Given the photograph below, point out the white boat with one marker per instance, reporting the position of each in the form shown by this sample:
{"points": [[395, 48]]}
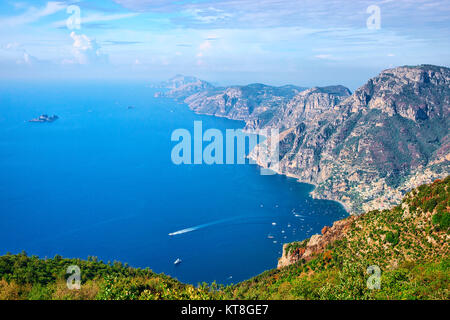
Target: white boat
{"points": [[178, 261]]}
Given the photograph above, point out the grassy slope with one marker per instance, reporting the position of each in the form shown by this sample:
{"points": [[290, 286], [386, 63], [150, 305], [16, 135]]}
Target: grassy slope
{"points": [[409, 243]]}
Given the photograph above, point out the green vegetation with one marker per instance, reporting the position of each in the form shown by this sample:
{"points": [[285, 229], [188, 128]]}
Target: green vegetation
{"points": [[408, 243], [24, 277], [295, 246]]}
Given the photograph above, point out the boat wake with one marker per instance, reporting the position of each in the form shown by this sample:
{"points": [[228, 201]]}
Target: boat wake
{"points": [[250, 219], [200, 226]]}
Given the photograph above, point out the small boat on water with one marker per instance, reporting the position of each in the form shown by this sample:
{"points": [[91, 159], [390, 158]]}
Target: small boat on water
{"points": [[178, 261]]}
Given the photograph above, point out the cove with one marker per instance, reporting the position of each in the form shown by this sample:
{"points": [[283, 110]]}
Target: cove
{"points": [[100, 182]]}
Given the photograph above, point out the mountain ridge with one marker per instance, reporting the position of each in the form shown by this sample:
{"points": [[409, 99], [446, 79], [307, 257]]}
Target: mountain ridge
{"points": [[364, 149]]}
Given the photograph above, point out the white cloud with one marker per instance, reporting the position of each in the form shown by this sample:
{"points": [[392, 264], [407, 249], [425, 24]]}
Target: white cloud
{"points": [[19, 53], [85, 51], [33, 14], [28, 59], [209, 15], [11, 46], [205, 45], [93, 18], [324, 56]]}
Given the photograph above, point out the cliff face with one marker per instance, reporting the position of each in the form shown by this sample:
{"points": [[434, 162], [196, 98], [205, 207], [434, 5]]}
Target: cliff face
{"points": [[364, 149], [391, 135], [307, 105], [309, 248], [255, 103], [260, 106]]}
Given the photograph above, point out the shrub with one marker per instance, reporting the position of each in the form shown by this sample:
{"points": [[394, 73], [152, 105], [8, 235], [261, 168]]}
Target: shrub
{"points": [[393, 237], [442, 220]]}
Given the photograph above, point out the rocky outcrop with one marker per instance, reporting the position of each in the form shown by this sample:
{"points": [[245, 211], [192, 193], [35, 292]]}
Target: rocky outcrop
{"points": [[307, 105], [255, 103], [316, 244]]}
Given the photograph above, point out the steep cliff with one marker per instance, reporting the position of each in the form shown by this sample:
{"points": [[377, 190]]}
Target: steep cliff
{"points": [[309, 248], [255, 103], [307, 105], [391, 135]]}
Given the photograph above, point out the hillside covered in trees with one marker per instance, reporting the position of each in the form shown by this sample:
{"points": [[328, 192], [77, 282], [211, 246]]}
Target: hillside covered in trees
{"points": [[408, 244]]}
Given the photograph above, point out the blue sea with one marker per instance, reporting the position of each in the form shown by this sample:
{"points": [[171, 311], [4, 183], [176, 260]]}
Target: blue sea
{"points": [[100, 182]]}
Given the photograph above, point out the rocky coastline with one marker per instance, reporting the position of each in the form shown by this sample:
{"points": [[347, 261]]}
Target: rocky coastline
{"points": [[364, 149]]}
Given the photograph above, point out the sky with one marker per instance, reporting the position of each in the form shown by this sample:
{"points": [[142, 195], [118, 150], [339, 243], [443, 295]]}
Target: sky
{"points": [[302, 42]]}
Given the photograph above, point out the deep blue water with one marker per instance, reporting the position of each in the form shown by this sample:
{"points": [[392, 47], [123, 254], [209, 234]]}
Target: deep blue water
{"points": [[100, 182]]}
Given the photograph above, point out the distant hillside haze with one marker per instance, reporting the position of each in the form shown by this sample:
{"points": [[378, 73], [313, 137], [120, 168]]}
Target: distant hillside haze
{"points": [[365, 149]]}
